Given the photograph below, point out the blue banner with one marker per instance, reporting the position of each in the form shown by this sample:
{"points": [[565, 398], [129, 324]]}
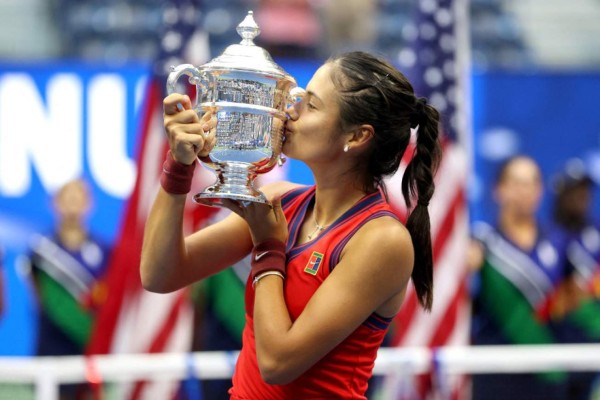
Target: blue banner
{"points": [[59, 122]]}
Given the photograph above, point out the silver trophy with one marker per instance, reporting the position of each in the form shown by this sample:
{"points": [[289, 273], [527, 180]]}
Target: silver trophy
{"points": [[248, 92]]}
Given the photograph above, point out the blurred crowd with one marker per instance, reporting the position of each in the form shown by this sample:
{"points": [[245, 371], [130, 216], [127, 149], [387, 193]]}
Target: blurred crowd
{"points": [[535, 277], [116, 32]]}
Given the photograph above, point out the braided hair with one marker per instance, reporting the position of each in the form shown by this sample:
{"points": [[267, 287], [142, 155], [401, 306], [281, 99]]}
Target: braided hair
{"points": [[371, 91]]}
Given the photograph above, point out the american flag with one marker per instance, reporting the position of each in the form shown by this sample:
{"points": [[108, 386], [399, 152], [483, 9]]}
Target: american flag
{"points": [[435, 60], [134, 320]]}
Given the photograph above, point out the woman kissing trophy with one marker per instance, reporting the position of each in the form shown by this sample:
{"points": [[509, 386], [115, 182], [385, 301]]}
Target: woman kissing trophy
{"points": [[248, 92]]}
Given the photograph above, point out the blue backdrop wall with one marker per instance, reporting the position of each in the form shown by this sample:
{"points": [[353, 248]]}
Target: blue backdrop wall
{"points": [[551, 116]]}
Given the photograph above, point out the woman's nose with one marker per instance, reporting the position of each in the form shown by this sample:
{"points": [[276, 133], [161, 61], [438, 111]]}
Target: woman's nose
{"points": [[292, 113]]}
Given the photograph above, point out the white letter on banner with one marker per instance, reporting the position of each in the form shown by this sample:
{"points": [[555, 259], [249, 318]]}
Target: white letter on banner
{"points": [[48, 133], [112, 170]]}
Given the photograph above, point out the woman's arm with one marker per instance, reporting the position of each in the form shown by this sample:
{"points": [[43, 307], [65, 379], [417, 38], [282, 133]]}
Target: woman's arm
{"points": [[169, 261], [375, 268]]}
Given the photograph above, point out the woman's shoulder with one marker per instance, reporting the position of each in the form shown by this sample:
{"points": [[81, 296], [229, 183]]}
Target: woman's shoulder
{"points": [[384, 245], [385, 232], [275, 190]]}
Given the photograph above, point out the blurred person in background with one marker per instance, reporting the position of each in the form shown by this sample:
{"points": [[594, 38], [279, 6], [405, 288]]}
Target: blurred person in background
{"points": [[289, 28], [347, 24], [67, 267], [519, 266], [573, 190]]}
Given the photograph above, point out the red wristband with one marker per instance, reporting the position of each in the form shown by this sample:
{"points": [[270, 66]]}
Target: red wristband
{"points": [[268, 256], [176, 178]]}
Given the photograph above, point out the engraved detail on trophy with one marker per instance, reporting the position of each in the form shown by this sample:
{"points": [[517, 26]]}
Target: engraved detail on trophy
{"points": [[249, 94]]}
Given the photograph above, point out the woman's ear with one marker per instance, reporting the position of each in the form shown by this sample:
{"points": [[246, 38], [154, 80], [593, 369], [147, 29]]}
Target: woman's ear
{"points": [[361, 136]]}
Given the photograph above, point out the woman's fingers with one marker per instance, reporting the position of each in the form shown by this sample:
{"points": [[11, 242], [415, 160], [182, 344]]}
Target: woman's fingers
{"points": [[278, 210], [189, 141], [264, 221], [189, 135], [209, 121], [234, 206], [207, 117], [171, 103], [186, 141], [210, 140], [186, 117], [209, 124]]}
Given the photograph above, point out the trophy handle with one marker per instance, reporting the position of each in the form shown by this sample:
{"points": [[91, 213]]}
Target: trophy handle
{"points": [[194, 79]]}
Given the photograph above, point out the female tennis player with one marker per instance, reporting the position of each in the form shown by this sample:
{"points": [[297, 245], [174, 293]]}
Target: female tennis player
{"points": [[330, 262]]}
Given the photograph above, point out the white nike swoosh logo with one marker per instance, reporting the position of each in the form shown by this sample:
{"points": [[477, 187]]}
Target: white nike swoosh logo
{"points": [[259, 256]]}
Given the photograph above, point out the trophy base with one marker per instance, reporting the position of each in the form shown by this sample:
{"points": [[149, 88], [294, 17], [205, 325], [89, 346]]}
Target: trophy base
{"points": [[209, 198], [234, 182]]}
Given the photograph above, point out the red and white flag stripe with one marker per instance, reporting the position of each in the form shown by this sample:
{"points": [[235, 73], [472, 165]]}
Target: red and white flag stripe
{"points": [[133, 319]]}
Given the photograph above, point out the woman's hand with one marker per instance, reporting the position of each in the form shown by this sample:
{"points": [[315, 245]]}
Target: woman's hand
{"points": [[189, 135], [265, 222]]}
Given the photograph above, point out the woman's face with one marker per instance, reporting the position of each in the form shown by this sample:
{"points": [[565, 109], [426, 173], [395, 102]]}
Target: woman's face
{"points": [[520, 188], [313, 133], [72, 202]]}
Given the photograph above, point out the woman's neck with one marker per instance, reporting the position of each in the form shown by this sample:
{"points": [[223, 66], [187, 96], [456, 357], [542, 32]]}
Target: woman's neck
{"points": [[522, 230], [71, 235], [334, 195]]}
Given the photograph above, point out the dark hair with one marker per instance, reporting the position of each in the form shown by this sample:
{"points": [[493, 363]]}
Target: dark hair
{"points": [[371, 91], [566, 212]]}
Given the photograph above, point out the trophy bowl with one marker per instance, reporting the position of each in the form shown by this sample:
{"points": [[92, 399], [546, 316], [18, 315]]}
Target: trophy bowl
{"points": [[248, 93]]}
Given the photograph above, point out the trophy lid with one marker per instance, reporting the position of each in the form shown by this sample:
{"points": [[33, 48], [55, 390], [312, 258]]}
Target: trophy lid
{"points": [[246, 56]]}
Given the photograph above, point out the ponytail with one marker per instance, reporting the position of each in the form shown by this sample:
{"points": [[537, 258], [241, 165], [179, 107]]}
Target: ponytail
{"points": [[417, 183], [372, 91]]}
